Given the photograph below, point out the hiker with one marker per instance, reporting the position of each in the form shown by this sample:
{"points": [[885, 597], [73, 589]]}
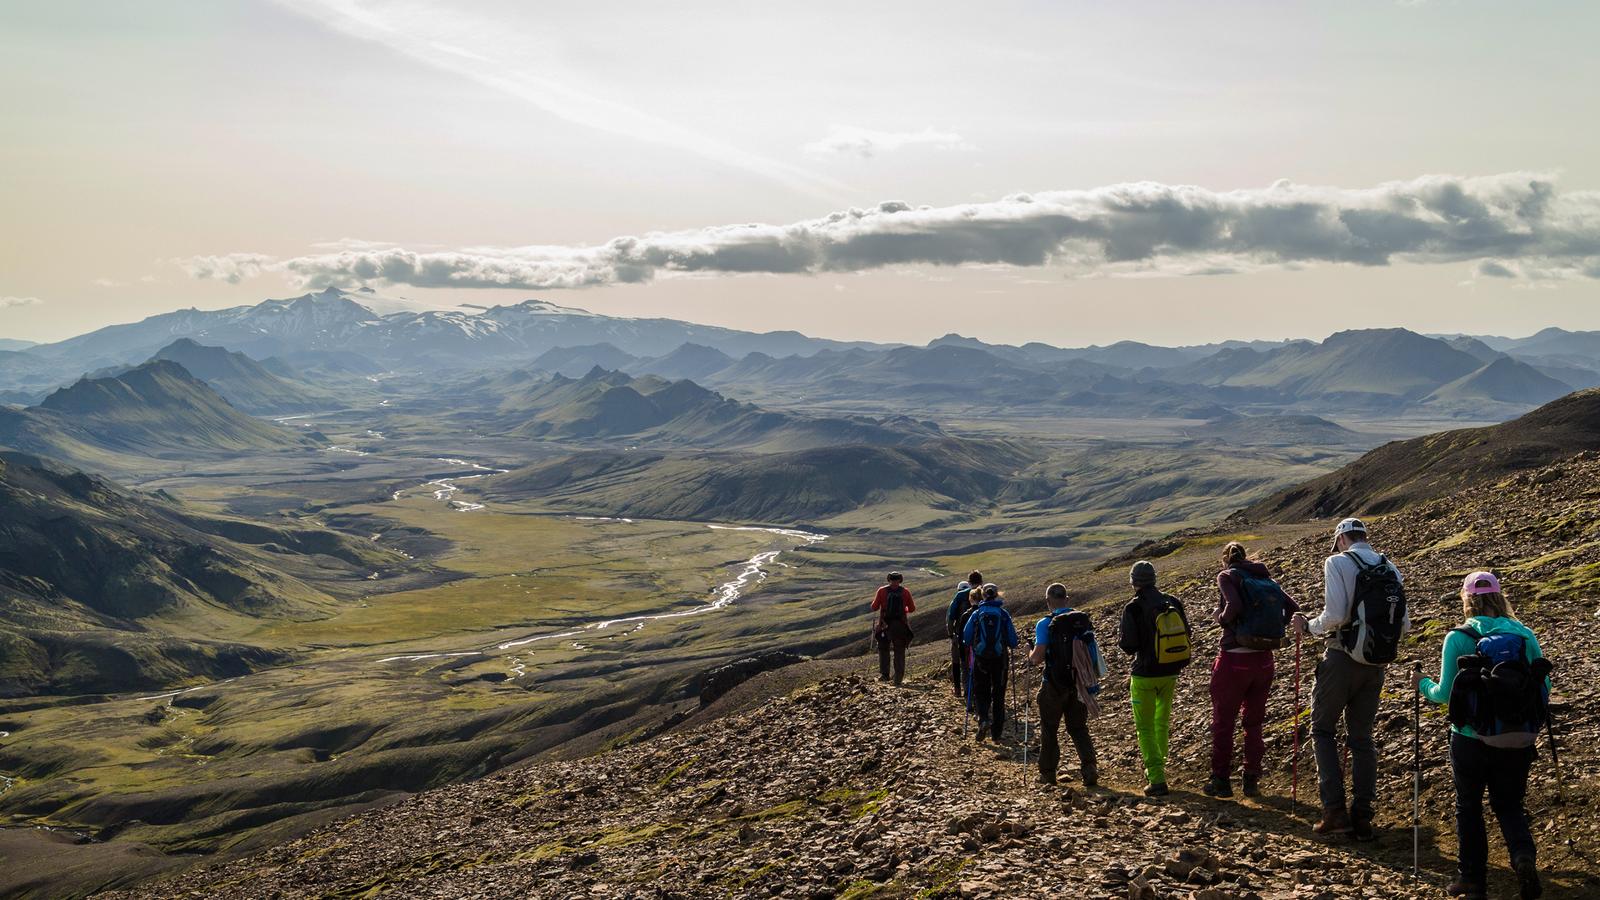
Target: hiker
{"points": [[1155, 632], [1064, 642], [892, 632], [1253, 611], [991, 635], [955, 620], [1496, 712], [1362, 620]]}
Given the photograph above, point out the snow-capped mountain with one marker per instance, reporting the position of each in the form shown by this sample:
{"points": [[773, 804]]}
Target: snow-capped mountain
{"points": [[335, 319]]}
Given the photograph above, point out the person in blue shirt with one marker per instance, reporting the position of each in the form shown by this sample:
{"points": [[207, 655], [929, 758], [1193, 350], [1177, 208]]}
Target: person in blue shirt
{"points": [[991, 635], [1066, 691]]}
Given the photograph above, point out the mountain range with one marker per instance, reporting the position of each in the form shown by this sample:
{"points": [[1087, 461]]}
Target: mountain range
{"points": [[332, 334]]}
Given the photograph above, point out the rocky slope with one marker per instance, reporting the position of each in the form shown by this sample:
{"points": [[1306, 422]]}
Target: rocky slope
{"points": [[846, 787]]}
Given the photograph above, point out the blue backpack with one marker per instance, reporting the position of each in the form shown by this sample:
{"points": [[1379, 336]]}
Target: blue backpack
{"points": [[1260, 625], [1498, 693], [989, 636]]}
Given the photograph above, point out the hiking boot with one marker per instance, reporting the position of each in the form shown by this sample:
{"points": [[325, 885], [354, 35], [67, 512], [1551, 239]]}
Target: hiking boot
{"points": [[983, 731], [1251, 785], [1527, 877], [1046, 779], [1361, 825], [1218, 786], [1334, 821], [958, 691], [1091, 778], [1157, 789], [1471, 890]]}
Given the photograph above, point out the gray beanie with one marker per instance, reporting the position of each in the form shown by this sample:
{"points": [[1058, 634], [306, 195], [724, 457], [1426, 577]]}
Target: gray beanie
{"points": [[1143, 574]]}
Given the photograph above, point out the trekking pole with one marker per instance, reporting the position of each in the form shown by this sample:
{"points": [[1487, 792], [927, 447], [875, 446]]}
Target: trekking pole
{"points": [[1294, 760], [1555, 757], [1416, 780]]}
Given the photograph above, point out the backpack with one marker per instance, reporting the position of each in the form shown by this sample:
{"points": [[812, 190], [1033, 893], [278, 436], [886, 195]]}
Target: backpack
{"points": [[1260, 622], [894, 604], [1498, 693], [957, 612], [1171, 635], [1065, 628], [1377, 611], [989, 638]]}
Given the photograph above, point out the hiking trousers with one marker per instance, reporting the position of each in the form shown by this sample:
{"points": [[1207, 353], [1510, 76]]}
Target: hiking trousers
{"points": [[1348, 689], [1152, 716], [1055, 705], [989, 691], [1240, 680], [897, 637], [958, 664], [1504, 772]]}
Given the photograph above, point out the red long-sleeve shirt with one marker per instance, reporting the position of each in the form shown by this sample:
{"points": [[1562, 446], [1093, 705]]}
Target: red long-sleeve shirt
{"points": [[883, 597]]}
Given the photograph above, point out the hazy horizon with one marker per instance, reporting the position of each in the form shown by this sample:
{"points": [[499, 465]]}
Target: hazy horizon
{"points": [[1065, 173]]}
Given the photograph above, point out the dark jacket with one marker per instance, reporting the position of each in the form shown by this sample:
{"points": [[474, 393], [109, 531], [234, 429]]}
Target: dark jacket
{"points": [[1137, 634], [1230, 604], [954, 616]]}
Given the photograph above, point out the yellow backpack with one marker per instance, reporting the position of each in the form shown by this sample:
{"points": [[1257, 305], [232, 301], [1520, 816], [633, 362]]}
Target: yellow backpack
{"points": [[1172, 636]]}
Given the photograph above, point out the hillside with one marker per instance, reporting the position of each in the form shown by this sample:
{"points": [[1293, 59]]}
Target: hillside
{"points": [[811, 782], [792, 487], [692, 361], [155, 410], [243, 382], [102, 589], [1404, 472]]}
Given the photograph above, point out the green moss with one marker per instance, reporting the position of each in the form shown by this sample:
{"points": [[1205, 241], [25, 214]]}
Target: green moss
{"points": [[672, 776], [943, 874]]}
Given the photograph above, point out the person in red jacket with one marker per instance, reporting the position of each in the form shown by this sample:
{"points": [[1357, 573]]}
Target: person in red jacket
{"points": [[892, 631], [1241, 677]]}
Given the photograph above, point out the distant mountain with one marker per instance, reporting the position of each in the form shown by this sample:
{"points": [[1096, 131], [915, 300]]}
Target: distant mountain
{"points": [[1560, 342], [574, 362], [649, 409], [245, 383], [1277, 430], [693, 361], [1373, 367], [794, 487], [102, 589], [155, 410], [14, 344], [1479, 350], [338, 320], [1505, 380], [1401, 473]]}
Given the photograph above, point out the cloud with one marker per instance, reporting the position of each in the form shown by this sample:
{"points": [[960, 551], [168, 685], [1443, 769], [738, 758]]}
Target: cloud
{"points": [[106, 282], [8, 302], [455, 41], [848, 140], [1518, 222]]}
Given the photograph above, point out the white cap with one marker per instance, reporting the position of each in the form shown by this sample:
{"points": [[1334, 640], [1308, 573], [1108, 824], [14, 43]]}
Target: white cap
{"points": [[1345, 527]]}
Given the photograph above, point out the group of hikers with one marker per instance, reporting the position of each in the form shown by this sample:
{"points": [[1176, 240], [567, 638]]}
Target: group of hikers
{"points": [[1493, 676]]}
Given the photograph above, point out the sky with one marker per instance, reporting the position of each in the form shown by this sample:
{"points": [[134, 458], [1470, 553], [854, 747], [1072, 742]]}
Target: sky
{"points": [[1072, 172]]}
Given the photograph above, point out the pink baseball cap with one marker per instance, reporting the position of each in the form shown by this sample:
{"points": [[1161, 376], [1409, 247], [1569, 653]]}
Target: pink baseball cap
{"points": [[1481, 583]]}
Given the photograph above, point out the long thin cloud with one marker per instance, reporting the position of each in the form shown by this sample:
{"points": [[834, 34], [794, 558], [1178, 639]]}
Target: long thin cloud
{"points": [[453, 41], [1512, 224]]}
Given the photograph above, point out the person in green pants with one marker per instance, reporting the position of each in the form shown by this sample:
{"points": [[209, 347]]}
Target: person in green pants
{"points": [[1155, 632]]}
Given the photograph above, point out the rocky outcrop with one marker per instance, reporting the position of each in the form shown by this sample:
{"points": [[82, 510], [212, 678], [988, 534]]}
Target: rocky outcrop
{"points": [[716, 682]]}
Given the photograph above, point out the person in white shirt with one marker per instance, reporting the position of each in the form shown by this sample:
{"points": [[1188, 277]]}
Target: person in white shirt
{"points": [[1347, 686]]}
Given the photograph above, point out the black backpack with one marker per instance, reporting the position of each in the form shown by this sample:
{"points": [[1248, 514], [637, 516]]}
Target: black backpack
{"points": [[1498, 693], [1065, 628], [894, 604], [958, 610], [1260, 622], [989, 638], [1377, 612]]}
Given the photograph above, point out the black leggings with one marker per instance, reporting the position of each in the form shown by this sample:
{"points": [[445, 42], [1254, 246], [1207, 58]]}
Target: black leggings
{"points": [[1504, 772]]}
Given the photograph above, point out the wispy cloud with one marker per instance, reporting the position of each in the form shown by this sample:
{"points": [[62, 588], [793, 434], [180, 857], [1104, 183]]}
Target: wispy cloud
{"points": [[1518, 223], [455, 41], [8, 302], [849, 140]]}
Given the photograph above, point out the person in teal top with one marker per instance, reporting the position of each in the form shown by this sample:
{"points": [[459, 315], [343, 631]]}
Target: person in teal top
{"points": [[1475, 764]]}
